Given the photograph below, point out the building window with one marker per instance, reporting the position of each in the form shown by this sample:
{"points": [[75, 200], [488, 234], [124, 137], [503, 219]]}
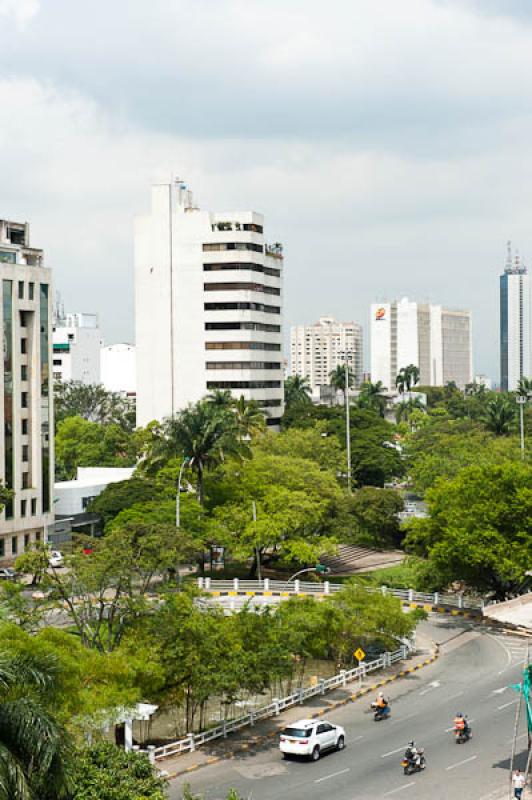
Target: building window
{"points": [[14, 545], [242, 326], [21, 290], [7, 306], [23, 508], [217, 246], [25, 452], [241, 346], [23, 372], [25, 480], [23, 345], [31, 290], [243, 365], [26, 541], [37, 536], [242, 307], [33, 506], [2, 548], [24, 427], [24, 399], [243, 384], [57, 362], [85, 501], [242, 266], [243, 286]]}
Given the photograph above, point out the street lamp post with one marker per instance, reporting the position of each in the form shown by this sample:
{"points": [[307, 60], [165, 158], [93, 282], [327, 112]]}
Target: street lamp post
{"points": [[521, 401], [178, 493], [321, 569], [347, 428]]}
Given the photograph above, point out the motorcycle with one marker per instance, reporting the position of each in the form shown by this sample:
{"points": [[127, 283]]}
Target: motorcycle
{"points": [[410, 765], [461, 735], [380, 713]]}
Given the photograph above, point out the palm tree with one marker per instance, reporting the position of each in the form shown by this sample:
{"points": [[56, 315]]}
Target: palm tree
{"points": [[34, 751], [371, 397], [400, 380], [205, 434], [500, 415], [296, 390], [412, 376], [250, 419], [337, 378], [406, 407], [524, 387], [221, 398]]}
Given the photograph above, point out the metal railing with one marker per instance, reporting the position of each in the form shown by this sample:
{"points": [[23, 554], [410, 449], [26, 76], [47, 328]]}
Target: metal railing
{"points": [[239, 586], [193, 740]]}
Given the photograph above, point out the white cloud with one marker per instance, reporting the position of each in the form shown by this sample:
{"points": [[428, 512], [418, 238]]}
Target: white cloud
{"points": [[21, 11]]}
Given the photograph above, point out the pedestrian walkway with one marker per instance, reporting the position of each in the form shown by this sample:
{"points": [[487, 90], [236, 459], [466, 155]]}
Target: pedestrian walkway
{"points": [[266, 731]]}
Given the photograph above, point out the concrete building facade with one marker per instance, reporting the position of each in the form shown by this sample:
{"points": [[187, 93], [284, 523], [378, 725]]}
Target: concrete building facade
{"points": [[118, 365], [76, 347], [208, 294], [436, 340], [26, 444], [515, 302], [316, 350]]}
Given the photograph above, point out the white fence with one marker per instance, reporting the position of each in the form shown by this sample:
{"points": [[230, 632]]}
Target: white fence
{"points": [[193, 740], [314, 588]]}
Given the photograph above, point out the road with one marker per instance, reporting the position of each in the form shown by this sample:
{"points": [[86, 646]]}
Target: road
{"points": [[472, 676]]}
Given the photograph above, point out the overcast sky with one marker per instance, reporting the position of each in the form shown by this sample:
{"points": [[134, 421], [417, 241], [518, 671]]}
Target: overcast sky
{"points": [[388, 143]]}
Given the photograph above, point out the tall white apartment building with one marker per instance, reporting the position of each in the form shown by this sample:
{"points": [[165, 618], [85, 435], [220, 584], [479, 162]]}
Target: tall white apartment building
{"points": [[26, 446], [514, 323], [316, 350], [208, 293], [76, 347], [119, 368], [436, 340]]}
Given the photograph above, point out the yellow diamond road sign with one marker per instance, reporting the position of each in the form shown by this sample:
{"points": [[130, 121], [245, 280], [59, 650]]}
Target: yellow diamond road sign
{"points": [[360, 654]]}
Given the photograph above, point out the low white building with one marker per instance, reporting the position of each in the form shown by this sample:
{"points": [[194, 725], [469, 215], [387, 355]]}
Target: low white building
{"points": [[73, 497], [118, 364], [76, 348]]}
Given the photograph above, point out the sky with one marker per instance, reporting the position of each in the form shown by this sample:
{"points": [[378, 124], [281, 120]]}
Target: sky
{"points": [[389, 144]]}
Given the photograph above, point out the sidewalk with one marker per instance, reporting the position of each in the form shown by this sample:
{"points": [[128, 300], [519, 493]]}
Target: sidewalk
{"points": [[264, 731]]}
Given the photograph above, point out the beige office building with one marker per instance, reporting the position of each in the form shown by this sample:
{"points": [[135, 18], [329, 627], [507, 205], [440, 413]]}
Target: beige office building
{"points": [[316, 350]]}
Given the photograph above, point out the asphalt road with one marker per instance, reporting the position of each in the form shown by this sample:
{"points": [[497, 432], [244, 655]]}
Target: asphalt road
{"points": [[472, 676]]}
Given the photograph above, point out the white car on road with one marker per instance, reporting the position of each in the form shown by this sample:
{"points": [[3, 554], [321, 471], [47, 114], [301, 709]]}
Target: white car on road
{"points": [[55, 559], [311, 737]]}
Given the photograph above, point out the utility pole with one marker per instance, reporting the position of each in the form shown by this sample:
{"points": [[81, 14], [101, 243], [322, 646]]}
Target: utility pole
{"points": [[257, 547], [347, 427]]}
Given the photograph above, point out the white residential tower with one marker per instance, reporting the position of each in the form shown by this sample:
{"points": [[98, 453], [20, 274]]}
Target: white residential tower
{"points": [[316, 350], [77, 343]]}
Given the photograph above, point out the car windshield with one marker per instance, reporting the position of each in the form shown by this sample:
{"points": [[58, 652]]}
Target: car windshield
{"points": [[297, 732]]}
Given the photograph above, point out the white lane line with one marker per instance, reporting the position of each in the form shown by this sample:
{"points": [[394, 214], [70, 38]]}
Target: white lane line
{"points": [[334, 774], [430, 687], [408, 716], [460, 763], [521, 736], [511, 703], [498, 691], [458, 694], [508, 654], [392, 752], [356, 738], [399, 788]]}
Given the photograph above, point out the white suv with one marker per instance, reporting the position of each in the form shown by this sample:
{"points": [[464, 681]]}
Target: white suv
{"points": [[311, 737]]}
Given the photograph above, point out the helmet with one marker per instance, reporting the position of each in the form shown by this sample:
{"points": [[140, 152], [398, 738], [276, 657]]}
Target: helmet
{"points": [[381, 694], [411, 744], [459, 715]]}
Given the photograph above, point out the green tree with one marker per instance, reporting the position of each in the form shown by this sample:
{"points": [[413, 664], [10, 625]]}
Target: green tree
{"points": [[105, 772], [34, 750], [500, 415], [524, 387], [406, 409], [250, 419], [368, 517], [338, 378], [220, 398], [80, 443], [314, 444], [117, 497], [479, 530], [406, 378], [371, 397], [94, 403], [296, 390]]}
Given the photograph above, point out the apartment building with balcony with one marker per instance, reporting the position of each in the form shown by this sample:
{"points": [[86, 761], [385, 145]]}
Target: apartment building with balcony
{"points": [[208, 307], [316, 350], [26, 443]]}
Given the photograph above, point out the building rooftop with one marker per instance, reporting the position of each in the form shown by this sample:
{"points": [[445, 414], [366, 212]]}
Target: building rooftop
{"points": [[15, 244]]}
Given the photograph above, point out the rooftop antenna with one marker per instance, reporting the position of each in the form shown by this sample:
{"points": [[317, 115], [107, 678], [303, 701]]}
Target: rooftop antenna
{"points": [[508, 255]]}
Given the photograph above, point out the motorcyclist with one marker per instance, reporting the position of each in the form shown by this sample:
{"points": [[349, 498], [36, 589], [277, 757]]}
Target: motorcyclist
{"points": [[412, 754], [381, 704], [461, 724]]}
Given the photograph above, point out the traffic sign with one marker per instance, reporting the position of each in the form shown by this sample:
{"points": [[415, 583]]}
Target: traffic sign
{"points": [[359, 654]]}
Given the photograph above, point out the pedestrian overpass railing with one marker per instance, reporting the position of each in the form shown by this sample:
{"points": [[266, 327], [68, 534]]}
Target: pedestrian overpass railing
{"points": [[269, 587]]}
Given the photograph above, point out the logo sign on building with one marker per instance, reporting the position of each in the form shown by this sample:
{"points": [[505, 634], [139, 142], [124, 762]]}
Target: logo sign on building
{"points": [[380, 313]]}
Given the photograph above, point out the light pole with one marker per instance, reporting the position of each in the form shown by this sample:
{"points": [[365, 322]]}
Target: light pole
{"points": [[522, 400], [347, 427], [178, 493], [321, 569]]}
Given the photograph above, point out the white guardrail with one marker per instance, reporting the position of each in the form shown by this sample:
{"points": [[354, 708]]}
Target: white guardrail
{"points": [[193, 740], [268, 586]]}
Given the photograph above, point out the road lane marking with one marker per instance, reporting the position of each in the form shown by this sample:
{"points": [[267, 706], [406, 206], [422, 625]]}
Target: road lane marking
{"points": [[408, 716], [356, 738], [498, 691], [508, 654], [334, 774], [461, 763], [430, 687], [521, 736], [392, 752], [511, 703], [399, 788], [458, 694]]}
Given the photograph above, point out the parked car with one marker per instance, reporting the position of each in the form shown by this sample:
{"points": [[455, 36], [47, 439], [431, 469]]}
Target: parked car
{"points": [[7, 574], [56, 559], [310, 738]]}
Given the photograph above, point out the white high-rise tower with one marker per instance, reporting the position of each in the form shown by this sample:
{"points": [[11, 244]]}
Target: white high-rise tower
{"points": [[514, 323], [208, 307]]}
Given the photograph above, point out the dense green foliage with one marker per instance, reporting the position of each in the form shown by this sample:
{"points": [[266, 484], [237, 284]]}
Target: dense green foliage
{"points": [[105, 772], [81, 443], [93, 403]]}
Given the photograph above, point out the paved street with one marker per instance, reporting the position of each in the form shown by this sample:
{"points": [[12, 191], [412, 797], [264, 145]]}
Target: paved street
{"points": [[472, 676]]}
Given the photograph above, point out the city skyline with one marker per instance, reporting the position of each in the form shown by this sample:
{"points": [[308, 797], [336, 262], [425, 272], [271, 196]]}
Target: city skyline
{"points": [[390, 188]]}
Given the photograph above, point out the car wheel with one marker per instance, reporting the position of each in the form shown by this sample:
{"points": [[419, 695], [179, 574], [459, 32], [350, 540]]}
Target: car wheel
{"points": [[285, 756], [340, 744], [315, 754]]}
